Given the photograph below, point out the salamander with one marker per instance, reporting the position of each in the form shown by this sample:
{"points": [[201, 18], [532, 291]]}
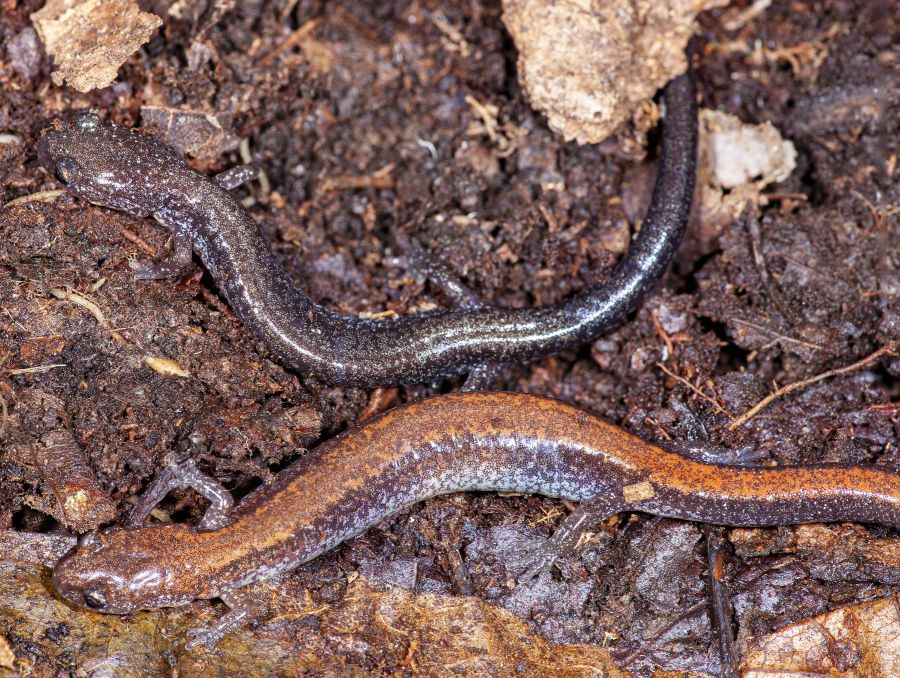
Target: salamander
{"points": [[127, 170], [450, 443]]}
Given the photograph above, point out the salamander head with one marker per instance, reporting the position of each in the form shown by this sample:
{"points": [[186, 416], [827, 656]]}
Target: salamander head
{"points": [[110, 165], [121, 570]]}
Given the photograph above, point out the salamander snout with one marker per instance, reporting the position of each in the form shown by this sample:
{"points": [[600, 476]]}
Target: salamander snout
{"points": [[81, 578], [63, 134], [119, 570], [109, 165]]}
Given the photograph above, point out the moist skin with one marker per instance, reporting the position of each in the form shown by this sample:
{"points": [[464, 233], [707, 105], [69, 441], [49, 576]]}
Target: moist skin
{"points": [[459, 442], [127, 170]]}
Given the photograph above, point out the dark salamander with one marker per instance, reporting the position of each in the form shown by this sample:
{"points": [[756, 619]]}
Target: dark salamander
{"points": [[128, 170]]}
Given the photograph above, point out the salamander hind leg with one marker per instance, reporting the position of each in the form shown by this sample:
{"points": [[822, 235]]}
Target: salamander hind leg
{"points": [[698, 447], [185, 474], [480, 377], [589, 513], [457, 292]]}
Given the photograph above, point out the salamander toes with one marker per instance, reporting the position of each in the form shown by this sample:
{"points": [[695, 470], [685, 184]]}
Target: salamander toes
{"points": [[168, 268], [538, 564], [145, 270], [206, 636]]}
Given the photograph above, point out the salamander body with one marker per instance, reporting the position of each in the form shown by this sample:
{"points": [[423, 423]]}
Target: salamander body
{"points": [[128, 170], [459, 442]]}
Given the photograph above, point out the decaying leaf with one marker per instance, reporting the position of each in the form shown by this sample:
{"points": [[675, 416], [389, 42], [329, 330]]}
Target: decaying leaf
{"points": [[202, 135], [858, 640], [588, 65], [7, 656], [90, 39], [71, 491], [37, 548], [369, 631], [737, 161]]}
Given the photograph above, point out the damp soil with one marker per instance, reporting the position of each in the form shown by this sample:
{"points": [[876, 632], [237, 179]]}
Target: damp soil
{"points": [[383, 90]]}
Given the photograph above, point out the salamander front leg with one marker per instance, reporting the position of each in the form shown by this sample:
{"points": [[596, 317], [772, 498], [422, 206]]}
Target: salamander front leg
{"points": [[185, 474], [174, 264], [240, 613], [589, 513], [182, 243]]}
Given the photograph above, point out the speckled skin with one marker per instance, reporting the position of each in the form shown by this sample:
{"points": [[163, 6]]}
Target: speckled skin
{"points": [[127, 170], [474, 441]]}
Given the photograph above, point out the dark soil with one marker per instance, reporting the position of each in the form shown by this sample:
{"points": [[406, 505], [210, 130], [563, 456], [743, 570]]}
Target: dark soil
{"points": [[394, 93]]}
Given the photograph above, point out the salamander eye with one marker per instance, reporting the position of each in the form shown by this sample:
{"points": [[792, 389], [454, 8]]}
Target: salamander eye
{"points": [[87, 121], [65, 170], [95, 598]]}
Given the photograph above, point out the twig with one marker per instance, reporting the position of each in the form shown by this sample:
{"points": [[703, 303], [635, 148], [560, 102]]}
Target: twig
{"points": [[379, 401], [139, 241], [291, 41], [31, 370], [878, 214], [751, 220], [890, 347], [380, 179], [94, 310], [776, 197], [887, 408], [660, 431], [5, 418], [778, 336], [40, 196], [660, 330], [694, 389], [876, 217], [719, 600]]}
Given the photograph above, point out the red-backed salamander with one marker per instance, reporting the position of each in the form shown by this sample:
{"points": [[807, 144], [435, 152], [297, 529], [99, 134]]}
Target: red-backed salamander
{"points": [[451, 443], [128, 170]]}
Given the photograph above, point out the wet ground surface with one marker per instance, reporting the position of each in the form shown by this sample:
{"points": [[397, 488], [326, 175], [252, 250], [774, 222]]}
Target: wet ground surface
{"points": [[382, 90]]}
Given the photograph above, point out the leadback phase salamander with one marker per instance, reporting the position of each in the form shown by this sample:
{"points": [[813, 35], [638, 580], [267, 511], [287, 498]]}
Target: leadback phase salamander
{"points": [[127, 170], [451, 443]]}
